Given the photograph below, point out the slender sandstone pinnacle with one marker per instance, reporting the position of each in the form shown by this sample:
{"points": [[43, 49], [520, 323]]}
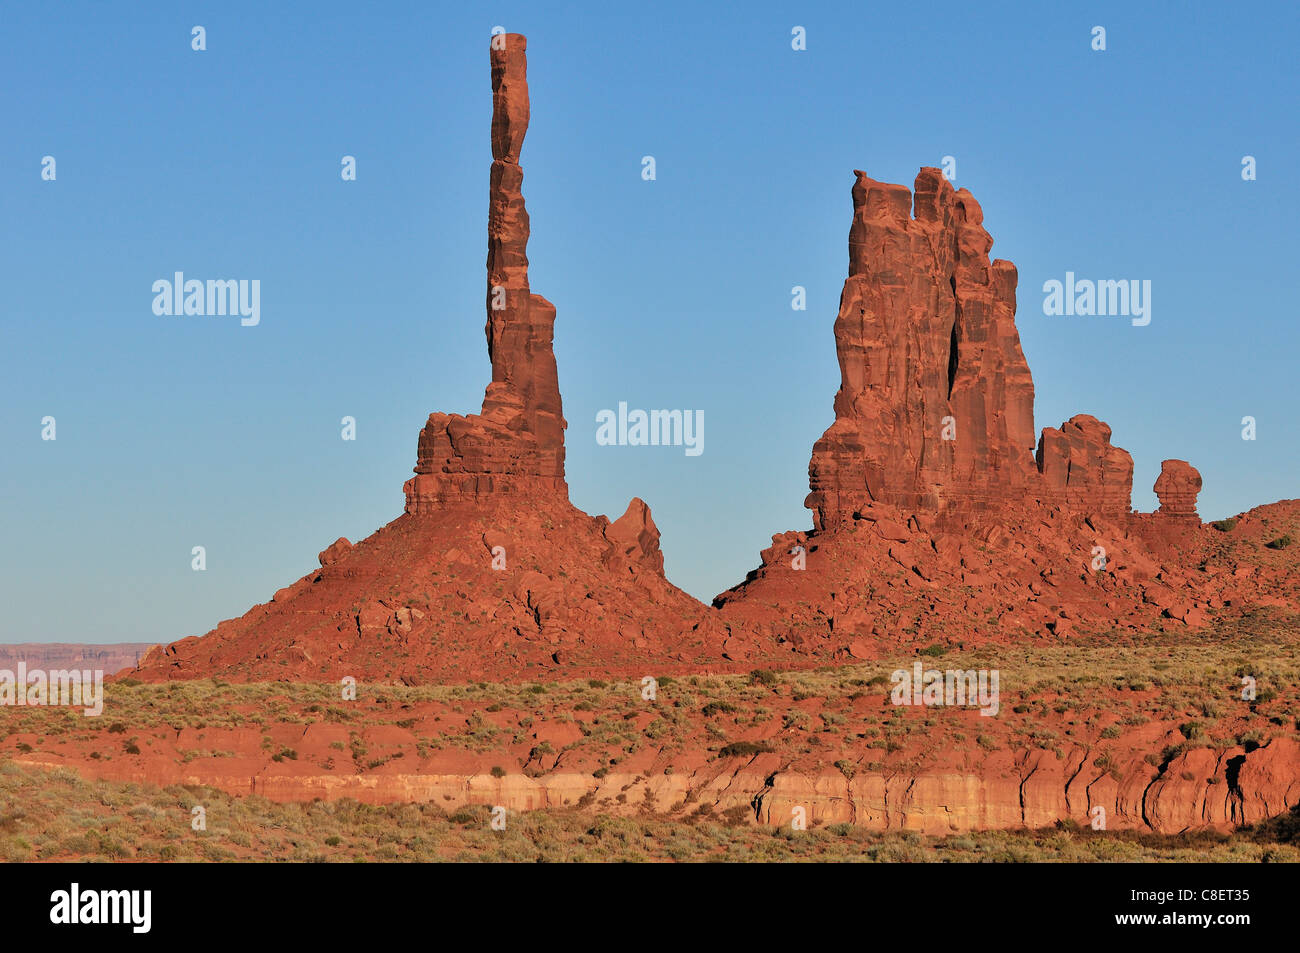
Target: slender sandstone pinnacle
{"points": [[516, 445]]}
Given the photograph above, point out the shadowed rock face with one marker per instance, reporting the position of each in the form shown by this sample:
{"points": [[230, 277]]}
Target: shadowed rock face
{"points": [[935, 406], [516, 446]]}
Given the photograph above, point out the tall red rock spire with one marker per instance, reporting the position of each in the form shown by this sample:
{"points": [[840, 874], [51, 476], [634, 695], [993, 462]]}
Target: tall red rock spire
{"points": [[516, 446]]}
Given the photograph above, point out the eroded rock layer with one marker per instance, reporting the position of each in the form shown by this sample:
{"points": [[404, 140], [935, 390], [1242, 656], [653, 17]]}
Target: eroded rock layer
{"points": [[1081, 468]]}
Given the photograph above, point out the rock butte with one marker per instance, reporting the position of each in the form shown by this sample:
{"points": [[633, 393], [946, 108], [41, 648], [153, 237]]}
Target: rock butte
{"points": [[935, 407], [938, 520]]}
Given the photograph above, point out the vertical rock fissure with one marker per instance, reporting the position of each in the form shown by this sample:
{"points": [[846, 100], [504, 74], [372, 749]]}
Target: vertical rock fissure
{"points": [[952, 337]]}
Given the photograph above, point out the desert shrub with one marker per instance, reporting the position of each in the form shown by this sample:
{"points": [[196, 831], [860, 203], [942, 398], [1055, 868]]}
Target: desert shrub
{"points": [[718, 707], [1282, 542], [1224, 526], [465, 815], [737, 815], [743, 749]]}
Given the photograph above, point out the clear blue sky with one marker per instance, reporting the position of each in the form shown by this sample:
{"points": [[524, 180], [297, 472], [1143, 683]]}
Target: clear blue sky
{"points": [[176, 432]]}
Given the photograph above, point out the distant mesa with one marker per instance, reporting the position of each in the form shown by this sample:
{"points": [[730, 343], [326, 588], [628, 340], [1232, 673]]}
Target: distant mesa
{"points": [[111, 657], [1176, 487]]}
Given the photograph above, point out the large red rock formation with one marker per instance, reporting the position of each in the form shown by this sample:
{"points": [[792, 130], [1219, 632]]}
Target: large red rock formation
{"points": [[936, 527], [491, 571], [934, 520], [516, 446], [1176, 487], [935, 404]]}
